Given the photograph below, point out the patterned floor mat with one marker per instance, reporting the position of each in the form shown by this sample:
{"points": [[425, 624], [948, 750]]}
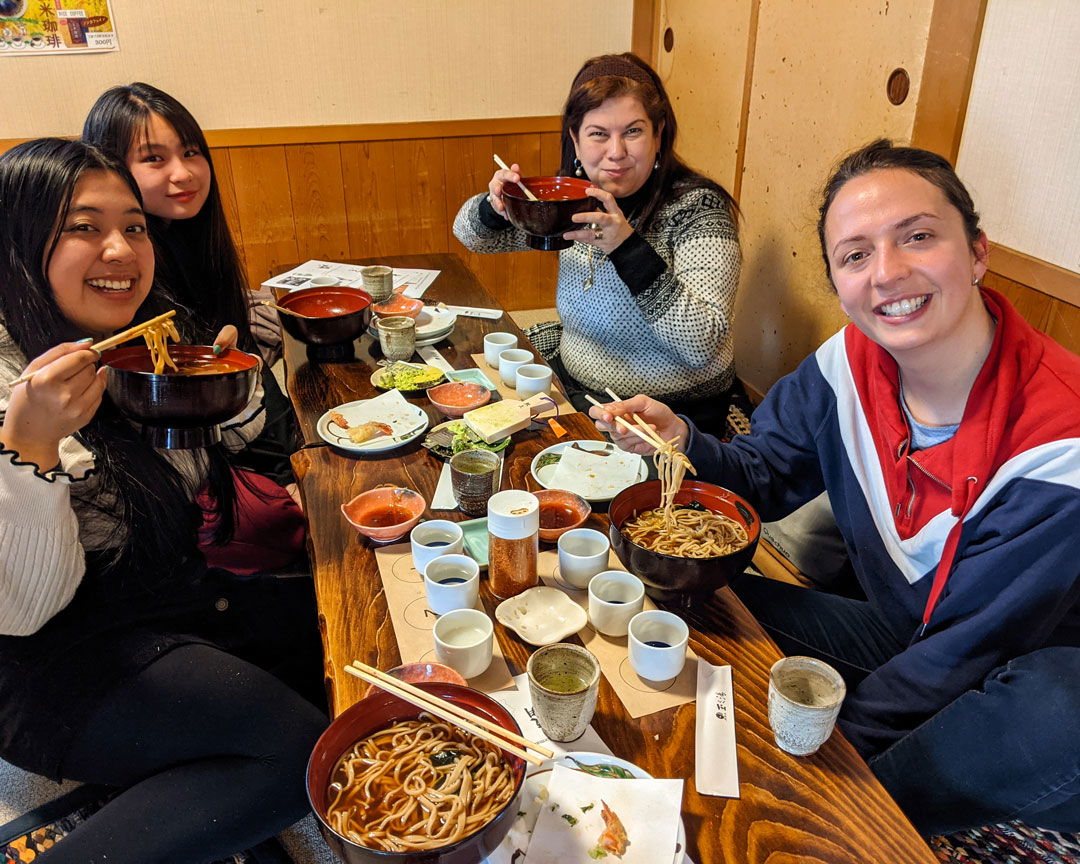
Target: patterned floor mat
{"points": [[1008, 843]]}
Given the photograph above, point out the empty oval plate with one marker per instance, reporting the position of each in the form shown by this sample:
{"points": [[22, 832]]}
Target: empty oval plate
{"points": [[541, 615]]}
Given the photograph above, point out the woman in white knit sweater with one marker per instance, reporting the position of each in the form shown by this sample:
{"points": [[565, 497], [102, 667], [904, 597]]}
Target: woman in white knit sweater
{"points": [[646, 293]]}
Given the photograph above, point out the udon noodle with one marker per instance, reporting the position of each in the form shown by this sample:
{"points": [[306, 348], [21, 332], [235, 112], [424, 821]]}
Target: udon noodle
{"points": [[419, 784], [157, 343], [681, 531]]}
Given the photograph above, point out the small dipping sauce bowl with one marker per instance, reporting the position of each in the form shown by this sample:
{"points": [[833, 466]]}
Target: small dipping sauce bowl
{"points": [[454, 398], [398, 304], [560, 511], [385, 513]]}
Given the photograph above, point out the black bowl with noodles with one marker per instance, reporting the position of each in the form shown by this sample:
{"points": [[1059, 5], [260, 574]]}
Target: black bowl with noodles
{"points": [[548, 218], [181, 409], [669, 577], [376, 711]]}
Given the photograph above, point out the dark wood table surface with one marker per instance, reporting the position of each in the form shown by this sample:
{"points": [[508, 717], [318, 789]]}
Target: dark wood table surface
{"points": [[827, 807]]}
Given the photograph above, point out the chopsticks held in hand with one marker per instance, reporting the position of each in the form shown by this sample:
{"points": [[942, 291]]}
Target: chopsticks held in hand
{"points": [[112, 341], [493, 733], [524, 188], [646, 432]]}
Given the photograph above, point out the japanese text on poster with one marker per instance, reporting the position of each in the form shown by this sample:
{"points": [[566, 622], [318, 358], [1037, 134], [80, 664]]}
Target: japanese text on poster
{"points": [[30, 27]]}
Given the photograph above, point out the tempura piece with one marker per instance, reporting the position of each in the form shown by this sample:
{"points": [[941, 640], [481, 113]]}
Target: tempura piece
{"points": [[367, 431], [613, 839], [339, 420]]}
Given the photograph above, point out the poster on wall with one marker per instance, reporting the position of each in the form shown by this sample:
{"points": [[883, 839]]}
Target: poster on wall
{"points": [[29, 27]]}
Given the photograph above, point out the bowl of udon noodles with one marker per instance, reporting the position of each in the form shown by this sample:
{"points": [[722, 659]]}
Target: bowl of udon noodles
{"points": [[334, 314], [545, 220], [390, 784], [710, 536], [180, 408]]}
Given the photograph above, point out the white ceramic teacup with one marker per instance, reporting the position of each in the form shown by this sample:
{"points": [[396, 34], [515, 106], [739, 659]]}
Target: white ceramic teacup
{"points": [[615, 597], [805, 695], [451, 582], [533, 378], [433, 538], [657, 644], [495, 344], [510, 360], [583, 553], [464, 640], [323, 281], [564, 680]]}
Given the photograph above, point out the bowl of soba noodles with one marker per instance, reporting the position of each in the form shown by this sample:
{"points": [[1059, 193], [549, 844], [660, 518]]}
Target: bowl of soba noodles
{"points": [[181, 404], [708, 536], [390, 784], [548, 218], [333, 315]]}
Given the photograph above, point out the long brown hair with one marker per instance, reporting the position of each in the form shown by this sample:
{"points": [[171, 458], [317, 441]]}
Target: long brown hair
{"points": [[612, 76]]}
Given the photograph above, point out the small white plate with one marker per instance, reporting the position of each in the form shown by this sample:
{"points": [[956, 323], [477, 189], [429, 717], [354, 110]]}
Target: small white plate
{"points": [[544, 475], [542, 615], [401, 419], [433, 319]]}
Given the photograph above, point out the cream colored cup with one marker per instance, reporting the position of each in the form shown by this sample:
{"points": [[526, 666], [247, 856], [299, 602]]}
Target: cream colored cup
{"points": [[583, 553], [451, 582], [615, 597], [564, 680], [533, 378], [378, 281], [510, 361], [433, 538], [657, 644], [464, 640], [805, 696], [495, 344]]}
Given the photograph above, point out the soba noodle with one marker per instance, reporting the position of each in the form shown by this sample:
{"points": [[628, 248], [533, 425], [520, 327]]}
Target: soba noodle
{"points": [[157, 343], [394, 791], [679, 531]]}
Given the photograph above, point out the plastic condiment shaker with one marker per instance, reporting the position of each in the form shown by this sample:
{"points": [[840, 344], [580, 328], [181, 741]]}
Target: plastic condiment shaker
{"points": [[513, 542]]}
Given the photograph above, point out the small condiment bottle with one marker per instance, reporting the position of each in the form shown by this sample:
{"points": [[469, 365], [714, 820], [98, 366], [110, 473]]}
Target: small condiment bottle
{"points": [[513, 542]]}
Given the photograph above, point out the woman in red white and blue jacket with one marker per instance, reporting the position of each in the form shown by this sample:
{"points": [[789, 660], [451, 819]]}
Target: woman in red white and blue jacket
{"points": [[946, 431]]}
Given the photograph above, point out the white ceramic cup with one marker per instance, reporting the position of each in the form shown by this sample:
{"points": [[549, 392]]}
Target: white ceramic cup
{"points": [[664, 658], [433, 538], [495, 344], [464, 640], [583, 553], [510, 360], [451, 582], [615, 597], [533, 378], [323, 281], [805, 695]]}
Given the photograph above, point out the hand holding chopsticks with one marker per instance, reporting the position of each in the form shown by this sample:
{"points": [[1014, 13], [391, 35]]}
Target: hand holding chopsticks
{"points": [[528, 192], [112, 341], [493, 733], [646, 433]]}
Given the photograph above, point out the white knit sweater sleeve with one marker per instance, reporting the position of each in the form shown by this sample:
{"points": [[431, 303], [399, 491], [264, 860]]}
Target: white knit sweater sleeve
{"points": [[477, 237]]}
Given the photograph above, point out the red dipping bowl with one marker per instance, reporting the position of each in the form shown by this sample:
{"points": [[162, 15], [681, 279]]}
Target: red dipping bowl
{"points": [[454, 398], [368, 512], [560, 510], [547, 219], [181, 410], [376, 711], [336, 314], [668, 576]]}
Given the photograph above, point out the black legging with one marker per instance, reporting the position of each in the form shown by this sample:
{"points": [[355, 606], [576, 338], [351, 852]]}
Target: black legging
{"points": [[211, 753]]}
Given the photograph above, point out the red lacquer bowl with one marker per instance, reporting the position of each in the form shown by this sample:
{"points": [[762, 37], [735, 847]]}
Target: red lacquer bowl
{"points": [[547, 219], [335, 314], [376, 711]]}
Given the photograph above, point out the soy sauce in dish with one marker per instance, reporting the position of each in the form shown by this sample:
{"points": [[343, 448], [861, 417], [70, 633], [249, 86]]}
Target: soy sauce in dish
{"points": [[553, 515], [383, 517]]}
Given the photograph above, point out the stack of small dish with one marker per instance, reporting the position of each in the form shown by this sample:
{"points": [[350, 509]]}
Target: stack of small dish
{"points": [[432, 325]]}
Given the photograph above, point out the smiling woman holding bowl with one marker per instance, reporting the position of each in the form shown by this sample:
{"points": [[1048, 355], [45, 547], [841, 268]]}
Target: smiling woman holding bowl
{"points": [[646, 292]]}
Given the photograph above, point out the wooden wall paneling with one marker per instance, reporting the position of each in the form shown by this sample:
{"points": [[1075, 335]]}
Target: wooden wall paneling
{"points": [[1033, 305], [264, 208], [518, 274], [1064, 325], [550, 159], [367, 171], [227, 188], [468, 168], [420, 184], [318, 200]]}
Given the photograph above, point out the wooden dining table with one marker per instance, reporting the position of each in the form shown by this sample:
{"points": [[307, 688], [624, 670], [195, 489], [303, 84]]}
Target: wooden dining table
{"points": [[827, 807]]}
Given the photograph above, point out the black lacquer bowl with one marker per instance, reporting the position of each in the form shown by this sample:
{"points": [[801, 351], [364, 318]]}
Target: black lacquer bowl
{"points": [[668, 577], [181, 410], [546, 220]]}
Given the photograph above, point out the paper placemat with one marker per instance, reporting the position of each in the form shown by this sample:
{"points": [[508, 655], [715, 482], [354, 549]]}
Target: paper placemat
{"points": [[561, 404], [413, 621], [639, 697]]}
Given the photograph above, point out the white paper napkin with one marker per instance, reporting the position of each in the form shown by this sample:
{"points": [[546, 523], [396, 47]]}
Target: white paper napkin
{"points": [[444, 499], [716, 763], [593, 476]]}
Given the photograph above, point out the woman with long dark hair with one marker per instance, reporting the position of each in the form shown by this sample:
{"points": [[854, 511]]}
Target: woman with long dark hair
{"points": [[946, 431], [646, 294], [124, 659]]}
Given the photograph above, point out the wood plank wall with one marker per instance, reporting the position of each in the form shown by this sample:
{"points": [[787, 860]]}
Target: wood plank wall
{"points": [[290, 202]]}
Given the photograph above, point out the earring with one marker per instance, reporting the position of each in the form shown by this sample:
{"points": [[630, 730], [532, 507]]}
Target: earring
{"points": [[656, 164], [975, 280], [577, 168]]}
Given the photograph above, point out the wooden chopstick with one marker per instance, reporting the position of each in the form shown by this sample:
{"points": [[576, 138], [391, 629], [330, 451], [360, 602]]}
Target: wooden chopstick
{"points": [[451, 713], [528, 192], [111, 342]]}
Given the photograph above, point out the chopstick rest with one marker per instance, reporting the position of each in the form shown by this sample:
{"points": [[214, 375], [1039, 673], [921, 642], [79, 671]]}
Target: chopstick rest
{"points": [[716, 763]]}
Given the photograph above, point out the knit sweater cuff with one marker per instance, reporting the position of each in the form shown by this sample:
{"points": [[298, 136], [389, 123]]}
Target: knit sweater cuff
{"points": [[637, 263], [490, 217]]}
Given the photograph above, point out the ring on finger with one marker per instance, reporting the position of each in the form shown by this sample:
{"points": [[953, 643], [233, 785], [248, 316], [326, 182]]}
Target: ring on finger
{"points": [[598, 233]]}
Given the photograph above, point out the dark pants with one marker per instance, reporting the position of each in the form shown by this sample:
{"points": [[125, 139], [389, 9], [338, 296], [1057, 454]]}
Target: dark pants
{"points": [[1004, 750]]}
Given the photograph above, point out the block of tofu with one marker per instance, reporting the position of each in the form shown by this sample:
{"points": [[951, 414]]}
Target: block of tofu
{"points": [[496, 420]]}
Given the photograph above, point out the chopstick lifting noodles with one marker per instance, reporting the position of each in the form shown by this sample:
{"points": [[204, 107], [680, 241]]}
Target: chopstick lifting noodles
{"points": [[451, 713], [113, 341]]}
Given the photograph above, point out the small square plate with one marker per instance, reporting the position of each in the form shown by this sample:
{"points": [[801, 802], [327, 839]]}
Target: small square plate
{"points": [[475, 535], [472, 375]]}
